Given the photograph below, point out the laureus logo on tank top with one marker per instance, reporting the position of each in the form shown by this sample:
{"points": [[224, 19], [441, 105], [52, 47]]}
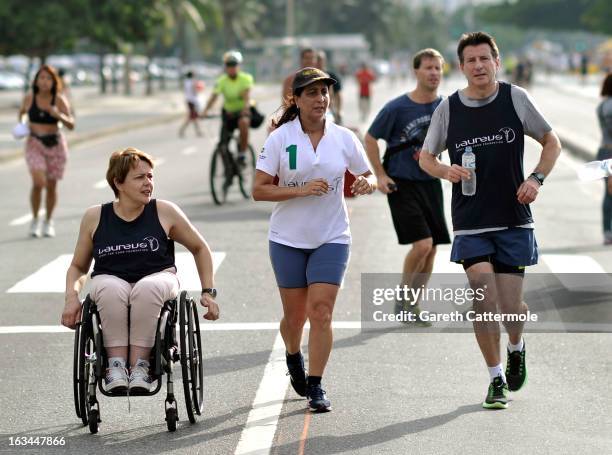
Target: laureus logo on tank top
{"points": [[505, 135], [149, 244]]}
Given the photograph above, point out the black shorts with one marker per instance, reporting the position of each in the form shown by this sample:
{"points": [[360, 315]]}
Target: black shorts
{"points": [[417, 209], [230, 119]]}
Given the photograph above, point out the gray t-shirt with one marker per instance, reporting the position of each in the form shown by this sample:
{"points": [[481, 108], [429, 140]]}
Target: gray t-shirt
{"points": [[604, 114], [534, 124]]}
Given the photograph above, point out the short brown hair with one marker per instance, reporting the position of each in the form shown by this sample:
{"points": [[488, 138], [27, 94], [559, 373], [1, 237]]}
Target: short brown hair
{"points": [[474, 39], [606, 87], [425, 53], [120, 164]]}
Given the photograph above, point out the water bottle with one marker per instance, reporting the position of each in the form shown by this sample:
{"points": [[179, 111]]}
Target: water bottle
{"points": [[468, 162], [595, 170]]}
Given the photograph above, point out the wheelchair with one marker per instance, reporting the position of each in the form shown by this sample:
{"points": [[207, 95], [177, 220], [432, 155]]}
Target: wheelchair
{"points": [[91, 361]]}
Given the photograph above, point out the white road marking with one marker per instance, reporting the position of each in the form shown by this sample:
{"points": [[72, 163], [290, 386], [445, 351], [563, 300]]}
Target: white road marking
{"points": [[52, 276], [443, 264], [204, 327], [100, 184], [578, 272], [258, 434], [25, 219], [189, 150]]}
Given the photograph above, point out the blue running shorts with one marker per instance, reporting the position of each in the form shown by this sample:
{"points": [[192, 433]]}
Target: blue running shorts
{"points": [[514, 246], [301, 267]]}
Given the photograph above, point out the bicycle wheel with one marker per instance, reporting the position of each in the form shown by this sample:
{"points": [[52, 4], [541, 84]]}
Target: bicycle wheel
{"points": [[220, 175], [246, 176]]}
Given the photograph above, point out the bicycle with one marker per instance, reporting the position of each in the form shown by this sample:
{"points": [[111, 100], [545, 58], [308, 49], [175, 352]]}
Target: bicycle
{"points": [[224, 168]]}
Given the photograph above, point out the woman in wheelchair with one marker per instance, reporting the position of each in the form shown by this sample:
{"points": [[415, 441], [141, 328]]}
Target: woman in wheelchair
{"points": [[132, 243]]}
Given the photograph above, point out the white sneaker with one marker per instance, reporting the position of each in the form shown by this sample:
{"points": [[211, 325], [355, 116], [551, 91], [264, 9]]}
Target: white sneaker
{"points": [[140, 379], [48, 228], [116, 376], [35, 228]]}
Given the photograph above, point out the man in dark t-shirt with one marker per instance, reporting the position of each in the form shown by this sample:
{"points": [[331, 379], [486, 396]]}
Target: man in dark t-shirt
{"points": [[415, 198]]}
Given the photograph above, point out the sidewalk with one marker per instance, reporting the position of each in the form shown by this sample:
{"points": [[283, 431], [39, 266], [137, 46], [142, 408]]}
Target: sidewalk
{"points": [[102, 115]]}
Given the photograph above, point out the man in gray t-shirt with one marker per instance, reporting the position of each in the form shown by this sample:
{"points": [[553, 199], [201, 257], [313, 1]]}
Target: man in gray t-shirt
{"points": [[493, 227]]}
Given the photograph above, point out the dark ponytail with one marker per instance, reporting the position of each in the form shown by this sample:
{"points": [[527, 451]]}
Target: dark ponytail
{"points": [[289, 110]]}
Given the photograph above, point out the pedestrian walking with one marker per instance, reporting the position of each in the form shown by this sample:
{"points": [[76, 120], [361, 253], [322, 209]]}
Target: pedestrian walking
{"points": [[414, 197], [365, 77], [46, 150], [309, 233], [192, 100], [493, 226], [604, 115]]}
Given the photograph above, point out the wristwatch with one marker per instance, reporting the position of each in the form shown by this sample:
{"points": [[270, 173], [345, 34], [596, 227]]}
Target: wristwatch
{"points": [[539, 177], [211, 291]]}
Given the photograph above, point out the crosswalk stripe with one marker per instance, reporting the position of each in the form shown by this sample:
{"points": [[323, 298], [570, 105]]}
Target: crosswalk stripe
{"points": [[443, 264], [189, 150], [25, 219], [52, 276], [578, 272]]}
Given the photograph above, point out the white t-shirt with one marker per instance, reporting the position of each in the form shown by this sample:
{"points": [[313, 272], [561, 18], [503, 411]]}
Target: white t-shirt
{"points": [[191, 95], [311, 221]]}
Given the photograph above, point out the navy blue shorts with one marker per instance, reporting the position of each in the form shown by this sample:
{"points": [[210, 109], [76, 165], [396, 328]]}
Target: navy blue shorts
{"points": [[514, 246], [301, 267]]}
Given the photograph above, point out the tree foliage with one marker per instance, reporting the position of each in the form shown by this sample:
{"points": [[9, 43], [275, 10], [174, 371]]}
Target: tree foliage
{"points": [[589, 15]]}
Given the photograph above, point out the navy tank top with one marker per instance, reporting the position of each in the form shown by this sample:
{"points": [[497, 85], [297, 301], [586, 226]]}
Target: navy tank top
{"points": [[134, 249], [496, 135], [37, 115]]}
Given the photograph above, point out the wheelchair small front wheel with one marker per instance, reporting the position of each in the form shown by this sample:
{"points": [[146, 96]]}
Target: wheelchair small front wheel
{"points": [[93, 421], [171, 419]]}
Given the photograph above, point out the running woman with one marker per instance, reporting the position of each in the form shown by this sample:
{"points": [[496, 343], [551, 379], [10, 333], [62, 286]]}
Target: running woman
{"points": [[309, 233]]}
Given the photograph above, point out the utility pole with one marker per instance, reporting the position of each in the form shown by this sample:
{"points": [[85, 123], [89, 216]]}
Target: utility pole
{"points": [[290, 19]]}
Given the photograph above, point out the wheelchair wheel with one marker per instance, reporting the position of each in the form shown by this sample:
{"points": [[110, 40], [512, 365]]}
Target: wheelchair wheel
{"points": [[247, 175], [221, 175], [75, 370], [85, 366], [191, 356]]}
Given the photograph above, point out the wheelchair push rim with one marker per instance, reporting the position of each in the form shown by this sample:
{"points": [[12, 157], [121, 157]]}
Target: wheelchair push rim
{"points": [[191, 356]]}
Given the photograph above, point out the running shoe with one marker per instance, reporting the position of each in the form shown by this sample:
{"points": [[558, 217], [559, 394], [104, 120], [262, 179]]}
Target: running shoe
{"points": [[404, 305], [35, 228], [497, 395], [317, 399], [116, 378], [516, 370], [48, 228], [297, 374], [140, 379]]}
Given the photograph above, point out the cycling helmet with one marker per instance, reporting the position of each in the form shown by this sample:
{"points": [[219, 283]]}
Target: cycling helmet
{"points": [[232, 58]]}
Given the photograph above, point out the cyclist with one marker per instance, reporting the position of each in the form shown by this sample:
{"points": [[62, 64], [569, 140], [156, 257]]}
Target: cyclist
{"points": [[235, 86]]}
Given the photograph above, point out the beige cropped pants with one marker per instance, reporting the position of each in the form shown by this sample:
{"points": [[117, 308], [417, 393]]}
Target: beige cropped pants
{"points": [[145, 297]]}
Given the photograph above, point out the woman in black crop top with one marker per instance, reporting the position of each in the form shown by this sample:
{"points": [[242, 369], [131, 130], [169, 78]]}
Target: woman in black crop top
{"points": [[132, 243], [45, 150]]}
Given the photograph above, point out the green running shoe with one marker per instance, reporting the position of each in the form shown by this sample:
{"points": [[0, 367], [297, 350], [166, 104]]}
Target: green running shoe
{"points": [[516, 370], [497, 395]]}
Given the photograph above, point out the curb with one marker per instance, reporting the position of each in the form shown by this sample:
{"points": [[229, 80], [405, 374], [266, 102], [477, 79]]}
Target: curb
{"points": [[577, 150], [84, 137]]}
